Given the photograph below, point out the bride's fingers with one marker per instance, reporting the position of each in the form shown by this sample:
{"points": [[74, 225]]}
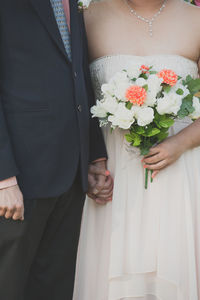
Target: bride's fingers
{"points": [[106, 197], [153, 159], [100, 202], [105, 192], [153, 151], [91, 196], [155, 173], [93, 169], [160, 165]]}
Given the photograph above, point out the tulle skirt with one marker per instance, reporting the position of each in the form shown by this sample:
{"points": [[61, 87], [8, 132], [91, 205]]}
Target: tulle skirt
{"points": [[145, 245]]}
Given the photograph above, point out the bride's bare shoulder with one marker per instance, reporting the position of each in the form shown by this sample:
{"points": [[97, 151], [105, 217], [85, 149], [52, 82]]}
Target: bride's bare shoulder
{"points": [[192, 12]]}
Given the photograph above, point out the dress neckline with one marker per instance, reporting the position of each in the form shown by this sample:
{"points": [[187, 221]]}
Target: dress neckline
{"points": [[140, 56]]}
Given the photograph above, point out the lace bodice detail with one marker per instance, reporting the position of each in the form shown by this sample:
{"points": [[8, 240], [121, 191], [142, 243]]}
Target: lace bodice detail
{"points": [[104, 68]]}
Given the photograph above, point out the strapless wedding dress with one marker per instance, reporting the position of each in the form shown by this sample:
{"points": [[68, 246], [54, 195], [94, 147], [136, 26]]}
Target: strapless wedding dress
{"points": [[146, 243]]}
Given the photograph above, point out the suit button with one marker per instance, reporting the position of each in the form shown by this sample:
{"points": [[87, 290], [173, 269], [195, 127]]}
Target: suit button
{"points": [[79, 108], [75, 74]]}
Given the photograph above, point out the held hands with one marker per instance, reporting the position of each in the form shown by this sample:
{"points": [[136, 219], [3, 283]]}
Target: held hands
{"points": [[163, 155], [11, 203], [100, 183]]}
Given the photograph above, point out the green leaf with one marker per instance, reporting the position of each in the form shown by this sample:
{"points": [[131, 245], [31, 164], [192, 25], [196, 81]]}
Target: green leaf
{"points": [[166, 88], [166, 123], [180, 92], [153, 72], [145, 87], [134, 139], [139, 130], [128, 138], [146, 146], [129, 105], [186, 107], [162, 136], [194, 86], [152, 132], [144, 151], [143, 75], [189, 78]]}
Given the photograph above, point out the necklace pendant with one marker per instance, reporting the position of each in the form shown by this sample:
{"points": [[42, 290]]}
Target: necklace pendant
{"points": [[150, 22], [150, 29]]}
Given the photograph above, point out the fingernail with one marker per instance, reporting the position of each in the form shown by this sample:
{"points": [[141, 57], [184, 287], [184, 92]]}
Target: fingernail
{"points": [[107, 173], [110, 199], [145, 166]]}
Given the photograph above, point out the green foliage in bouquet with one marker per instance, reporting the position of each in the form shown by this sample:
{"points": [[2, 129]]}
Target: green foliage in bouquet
{"points": [[146, 137]]}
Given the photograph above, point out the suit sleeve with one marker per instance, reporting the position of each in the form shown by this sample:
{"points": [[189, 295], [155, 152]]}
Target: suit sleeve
{"points": [[97, 145], [8, 167]]}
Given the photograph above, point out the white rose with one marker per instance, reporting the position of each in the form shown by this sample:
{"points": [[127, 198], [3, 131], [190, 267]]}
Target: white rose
{"points": [[98, 110], [119, 77], [108, 89], [141, 82], [154, 87], [133, 70], [151, 99], [144, 116], [169, 104], [196, 104], [110, 104], [120, 91], [123, 117], [118, 85], [154, 83]]}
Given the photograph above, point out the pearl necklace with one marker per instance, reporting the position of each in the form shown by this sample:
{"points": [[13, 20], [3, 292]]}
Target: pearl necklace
{"points": [[148, 21]]}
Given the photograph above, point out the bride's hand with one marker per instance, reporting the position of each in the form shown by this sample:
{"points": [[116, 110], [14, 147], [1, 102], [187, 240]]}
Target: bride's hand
{"points": [[163, 155]]}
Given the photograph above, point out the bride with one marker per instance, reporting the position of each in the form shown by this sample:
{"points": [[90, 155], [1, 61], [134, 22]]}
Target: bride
{"points": [[145, 244]]}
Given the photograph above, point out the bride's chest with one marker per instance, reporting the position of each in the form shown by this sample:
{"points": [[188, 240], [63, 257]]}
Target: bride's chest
{"points": [[117, 37]]}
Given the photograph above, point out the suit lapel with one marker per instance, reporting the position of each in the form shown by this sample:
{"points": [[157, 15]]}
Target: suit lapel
{"points": [[76, 38], [45, 12]]}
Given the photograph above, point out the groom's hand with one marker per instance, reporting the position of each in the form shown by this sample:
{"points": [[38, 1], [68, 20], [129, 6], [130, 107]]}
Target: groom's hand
{"points": [[12, 203], [97, 177]]}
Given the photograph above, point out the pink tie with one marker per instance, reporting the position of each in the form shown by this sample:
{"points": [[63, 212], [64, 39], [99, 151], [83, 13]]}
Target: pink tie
{"points": [[67, 11]]}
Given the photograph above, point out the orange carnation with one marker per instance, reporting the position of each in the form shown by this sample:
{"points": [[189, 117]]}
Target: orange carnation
{"points": [[136, 95], [144, 69], [169, 77]]}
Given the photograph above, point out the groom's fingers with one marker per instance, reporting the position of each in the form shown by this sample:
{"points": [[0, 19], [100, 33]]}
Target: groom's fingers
{"points": [[94, 169], [91, 182], [101, 180]]}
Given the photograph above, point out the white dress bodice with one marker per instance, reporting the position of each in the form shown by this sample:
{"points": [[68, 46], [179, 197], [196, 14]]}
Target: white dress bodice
{"points": [[103, 68]]}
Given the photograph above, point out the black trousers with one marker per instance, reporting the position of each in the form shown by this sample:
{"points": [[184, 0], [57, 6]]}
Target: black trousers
{"points": [[38, 256]]}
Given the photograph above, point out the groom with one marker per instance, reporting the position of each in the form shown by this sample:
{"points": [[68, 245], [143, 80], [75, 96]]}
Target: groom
{"points": [[47, 140]]}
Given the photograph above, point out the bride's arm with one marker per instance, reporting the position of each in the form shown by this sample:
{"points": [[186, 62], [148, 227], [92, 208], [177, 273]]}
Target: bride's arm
{"points": [[172, 148]]}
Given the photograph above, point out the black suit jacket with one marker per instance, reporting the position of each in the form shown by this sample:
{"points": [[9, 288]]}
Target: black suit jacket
{"points": [[45, 125]]}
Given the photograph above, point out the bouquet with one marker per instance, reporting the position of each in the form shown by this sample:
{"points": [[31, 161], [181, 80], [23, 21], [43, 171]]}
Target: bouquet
{"points": [[146, 103]]}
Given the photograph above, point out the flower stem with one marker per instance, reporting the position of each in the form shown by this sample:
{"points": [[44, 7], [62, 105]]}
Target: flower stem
{"points": [[146, 178], [151, 176]]}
